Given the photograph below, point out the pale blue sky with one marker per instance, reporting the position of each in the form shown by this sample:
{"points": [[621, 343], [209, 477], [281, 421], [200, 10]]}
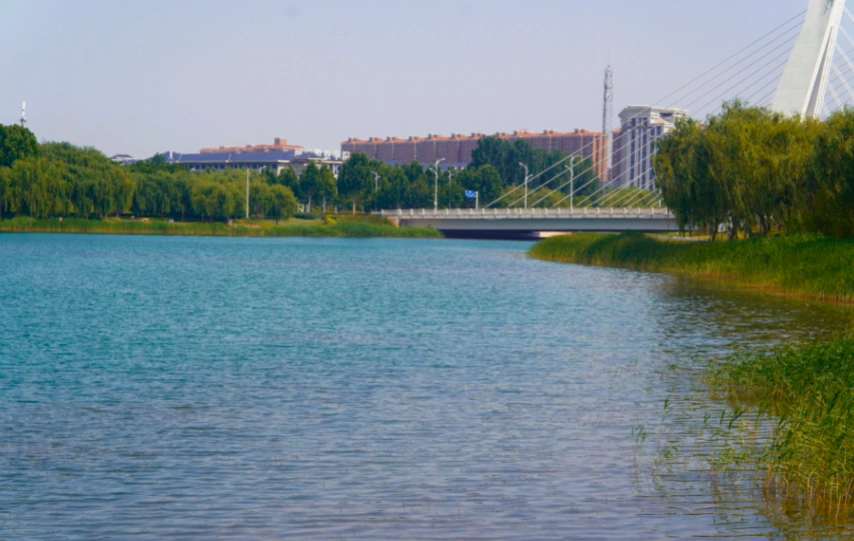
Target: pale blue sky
{"points": [[146, 76]]}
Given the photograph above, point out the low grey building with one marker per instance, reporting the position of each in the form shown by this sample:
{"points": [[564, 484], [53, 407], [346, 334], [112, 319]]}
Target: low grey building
{"points": [[276, 160]]}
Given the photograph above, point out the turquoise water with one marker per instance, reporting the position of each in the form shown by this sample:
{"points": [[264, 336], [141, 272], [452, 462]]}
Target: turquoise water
{"points": [[209, 388]]}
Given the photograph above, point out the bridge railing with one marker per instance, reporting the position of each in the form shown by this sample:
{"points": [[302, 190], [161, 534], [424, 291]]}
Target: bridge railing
{"points": [[517, 213]]}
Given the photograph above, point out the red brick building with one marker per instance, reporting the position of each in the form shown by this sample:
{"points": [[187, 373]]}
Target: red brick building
{"points": [[456, 150], [279, 145]]}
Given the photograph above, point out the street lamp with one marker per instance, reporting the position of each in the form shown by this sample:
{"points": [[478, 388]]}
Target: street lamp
{"points": [[376, 187], [436, 185], [571, 183], [526, 183], [450, 178]]}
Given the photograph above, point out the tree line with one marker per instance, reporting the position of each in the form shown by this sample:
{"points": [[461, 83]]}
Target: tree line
{"points": [[750, 171], [59, 179]]}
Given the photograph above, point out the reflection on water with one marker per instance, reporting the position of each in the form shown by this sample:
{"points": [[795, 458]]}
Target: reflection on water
{"points": [[194, 388]]}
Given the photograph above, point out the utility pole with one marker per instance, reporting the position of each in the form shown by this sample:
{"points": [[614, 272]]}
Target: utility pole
{"points": [[526, 183], [24, 115], [436, 185], [247, 193]]}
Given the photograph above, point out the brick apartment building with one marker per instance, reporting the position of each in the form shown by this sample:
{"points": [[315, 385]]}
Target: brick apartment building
{"points": [[456, 150]]}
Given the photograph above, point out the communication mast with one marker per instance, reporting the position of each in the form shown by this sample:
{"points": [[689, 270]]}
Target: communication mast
{"points": [[607, 116], [24, 115]]}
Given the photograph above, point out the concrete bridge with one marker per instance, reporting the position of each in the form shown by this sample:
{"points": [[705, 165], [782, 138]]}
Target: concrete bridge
{"points": [[526, 224]]}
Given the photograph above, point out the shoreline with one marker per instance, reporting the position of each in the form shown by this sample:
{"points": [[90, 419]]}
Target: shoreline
{"points": [[803, 390], [806, 267], [345, 229]]}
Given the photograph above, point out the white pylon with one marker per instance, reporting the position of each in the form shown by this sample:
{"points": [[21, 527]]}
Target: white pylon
{"points": [[803, 85]]}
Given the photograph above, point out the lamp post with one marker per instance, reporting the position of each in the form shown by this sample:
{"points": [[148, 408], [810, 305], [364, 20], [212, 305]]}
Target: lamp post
{"points": [[436, 185], [526, 183], [571, 183], [450, 178], [376, 187]]}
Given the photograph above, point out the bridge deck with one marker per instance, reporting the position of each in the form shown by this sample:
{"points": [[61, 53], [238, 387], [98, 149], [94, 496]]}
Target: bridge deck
{"points": [[532, 223]]}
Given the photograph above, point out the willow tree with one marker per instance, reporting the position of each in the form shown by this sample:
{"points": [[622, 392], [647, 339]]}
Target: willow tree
{"points": [[828, 193], [688, 186]]}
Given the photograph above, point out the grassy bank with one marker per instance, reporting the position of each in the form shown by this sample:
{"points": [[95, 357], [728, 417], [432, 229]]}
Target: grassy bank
{"points": [[810, 389], [808, 266], [291, 228]]}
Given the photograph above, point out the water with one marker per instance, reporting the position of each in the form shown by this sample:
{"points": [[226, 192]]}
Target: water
{"points": [[208, 388]]}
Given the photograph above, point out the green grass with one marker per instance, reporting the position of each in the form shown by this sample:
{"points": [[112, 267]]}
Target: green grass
{"points": [[808, 266], [291, 228], [810, 389]]}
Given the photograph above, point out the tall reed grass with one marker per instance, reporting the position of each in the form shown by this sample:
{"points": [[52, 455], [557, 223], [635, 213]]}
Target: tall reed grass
{"points": [[160, 227], [809, 266], [809, 388]]}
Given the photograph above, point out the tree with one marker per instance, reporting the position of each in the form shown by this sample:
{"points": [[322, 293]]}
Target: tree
{"points": [[309, 182], [281, 202], [827, 194], [327, 188], [17, 143], [287, 177], [355, 177], [37, 187]]}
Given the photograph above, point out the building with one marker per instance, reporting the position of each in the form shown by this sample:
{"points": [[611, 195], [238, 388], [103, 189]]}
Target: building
{"points": [[456, 150], [279, 145], [641, 126], [123, 159], [275, 157]]}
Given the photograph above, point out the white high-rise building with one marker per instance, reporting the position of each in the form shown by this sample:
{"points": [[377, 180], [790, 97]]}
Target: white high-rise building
{"points": [[635, 143]]}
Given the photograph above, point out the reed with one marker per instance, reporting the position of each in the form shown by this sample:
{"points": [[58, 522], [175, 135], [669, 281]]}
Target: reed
{"points": [[808, 266], [809, 389], [161, 227]]}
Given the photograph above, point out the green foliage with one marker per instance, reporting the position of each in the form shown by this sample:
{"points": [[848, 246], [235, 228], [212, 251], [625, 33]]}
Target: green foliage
{"points": [[810, 266], [355, 177], [751, 170], [281, 203], [810, 390], [355, 228], [17, 143], [505, 157], [316, 182], [82, 182]]}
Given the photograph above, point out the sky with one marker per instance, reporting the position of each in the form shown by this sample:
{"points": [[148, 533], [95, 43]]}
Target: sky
{"points": [[139, 77]]}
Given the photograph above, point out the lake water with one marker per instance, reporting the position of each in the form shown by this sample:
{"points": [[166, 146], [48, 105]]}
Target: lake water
{"points": [[216, 388]]}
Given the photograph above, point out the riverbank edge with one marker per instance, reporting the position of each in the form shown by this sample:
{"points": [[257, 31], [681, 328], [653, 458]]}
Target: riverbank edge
{"points": [[349, 229], [808, 267], [806, 387]]}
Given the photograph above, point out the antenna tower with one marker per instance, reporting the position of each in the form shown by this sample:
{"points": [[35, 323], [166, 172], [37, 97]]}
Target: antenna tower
{"points": [[607, 117], [24, 115]]}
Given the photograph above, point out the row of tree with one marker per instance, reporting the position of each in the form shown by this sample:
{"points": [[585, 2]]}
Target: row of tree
{"points": [[751, 171], [59, 179]]}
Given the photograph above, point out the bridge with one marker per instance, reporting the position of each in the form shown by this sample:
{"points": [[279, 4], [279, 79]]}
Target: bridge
{"points": [[534, 223], [802, 62]]}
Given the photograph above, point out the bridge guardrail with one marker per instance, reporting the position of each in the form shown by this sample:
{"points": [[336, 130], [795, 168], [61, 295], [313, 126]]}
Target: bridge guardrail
{"points": [[516, 213]]}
